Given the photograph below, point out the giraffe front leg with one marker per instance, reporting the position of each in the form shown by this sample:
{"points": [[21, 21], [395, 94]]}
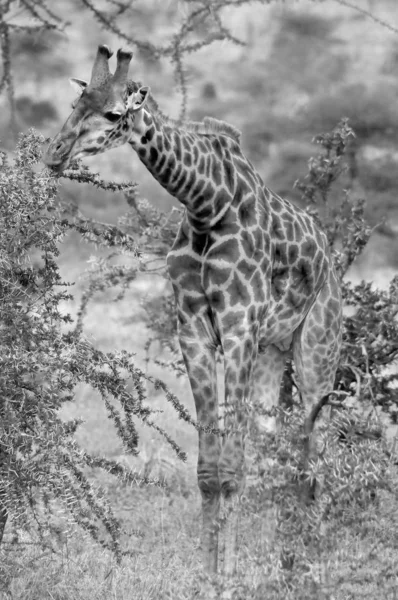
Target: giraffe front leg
{"points": [[232, 480], [239, 358], [200, 362]]}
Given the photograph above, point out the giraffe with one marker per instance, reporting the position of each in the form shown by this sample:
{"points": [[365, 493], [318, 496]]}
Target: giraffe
{"points": [[252, 276]]}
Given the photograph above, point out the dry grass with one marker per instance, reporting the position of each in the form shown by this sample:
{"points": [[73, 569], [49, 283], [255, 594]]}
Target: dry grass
{"points": [[357, 561]]}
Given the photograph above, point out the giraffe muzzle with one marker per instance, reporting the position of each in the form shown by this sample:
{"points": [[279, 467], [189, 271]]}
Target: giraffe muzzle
{"points": [[58, 153]]}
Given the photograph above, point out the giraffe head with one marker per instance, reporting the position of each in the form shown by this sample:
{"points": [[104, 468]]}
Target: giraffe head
{"points": [[104, 116]]}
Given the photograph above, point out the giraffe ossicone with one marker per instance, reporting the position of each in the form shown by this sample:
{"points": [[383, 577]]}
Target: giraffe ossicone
{"points": [[252, 274]]}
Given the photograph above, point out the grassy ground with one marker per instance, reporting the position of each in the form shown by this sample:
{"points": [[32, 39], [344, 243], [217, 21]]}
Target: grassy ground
{"points": [[352, 556], [305, 66]]}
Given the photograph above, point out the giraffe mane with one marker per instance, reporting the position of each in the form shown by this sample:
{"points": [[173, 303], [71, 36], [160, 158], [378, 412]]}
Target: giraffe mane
{"points": [[208, 126]]}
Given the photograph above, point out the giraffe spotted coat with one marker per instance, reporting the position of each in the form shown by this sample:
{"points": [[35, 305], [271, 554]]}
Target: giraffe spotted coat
{"points": [[252, 275]]}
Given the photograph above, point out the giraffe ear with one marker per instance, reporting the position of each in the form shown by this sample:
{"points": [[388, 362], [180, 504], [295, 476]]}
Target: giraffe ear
{"points": [[79, 85], [138, 99]]}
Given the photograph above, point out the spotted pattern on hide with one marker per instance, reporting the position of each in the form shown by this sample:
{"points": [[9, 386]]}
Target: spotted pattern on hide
{"points": [[253, 277]]}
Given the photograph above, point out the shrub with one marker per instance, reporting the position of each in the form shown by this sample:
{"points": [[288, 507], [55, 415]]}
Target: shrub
{"points": [[43, 357], [370, 334], [342, 545]]}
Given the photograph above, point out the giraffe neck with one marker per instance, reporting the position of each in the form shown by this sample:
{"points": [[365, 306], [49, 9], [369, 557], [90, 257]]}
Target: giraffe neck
{"points": [[196, 169]]}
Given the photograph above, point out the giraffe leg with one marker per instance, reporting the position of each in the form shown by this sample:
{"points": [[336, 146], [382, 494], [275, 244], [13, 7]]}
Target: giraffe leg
{"points": [[266, 386], [265, 395], [201, 367], [239, 358], [316, 352]]}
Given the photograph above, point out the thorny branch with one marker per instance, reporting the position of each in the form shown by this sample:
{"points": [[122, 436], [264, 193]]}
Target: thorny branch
{"points": [[185, 40]]}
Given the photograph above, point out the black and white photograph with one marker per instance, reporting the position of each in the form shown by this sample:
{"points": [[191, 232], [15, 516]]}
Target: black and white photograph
{"points": [[198, 299]]}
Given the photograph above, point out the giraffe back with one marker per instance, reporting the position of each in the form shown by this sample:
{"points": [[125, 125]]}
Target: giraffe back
{"points": [[263, 262]]}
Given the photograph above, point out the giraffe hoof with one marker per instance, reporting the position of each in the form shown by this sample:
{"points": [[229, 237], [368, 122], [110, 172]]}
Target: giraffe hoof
{"points": [[311, 491], [287, 559], [308, 492]]}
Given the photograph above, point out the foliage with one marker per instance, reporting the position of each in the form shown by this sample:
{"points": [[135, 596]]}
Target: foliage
{"points": [[43, 358], [320, 544], [343, 544], [370, 334]]}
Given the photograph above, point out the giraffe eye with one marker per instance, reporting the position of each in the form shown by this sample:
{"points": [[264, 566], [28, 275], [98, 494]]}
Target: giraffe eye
{"points": [[112, 116]]}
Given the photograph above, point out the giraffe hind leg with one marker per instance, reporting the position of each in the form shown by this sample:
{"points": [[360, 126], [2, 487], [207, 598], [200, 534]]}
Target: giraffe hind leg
{"points": [[240, 352], [203, 379], [265, 392], [260, 377], [316, 352], [264, 424]]}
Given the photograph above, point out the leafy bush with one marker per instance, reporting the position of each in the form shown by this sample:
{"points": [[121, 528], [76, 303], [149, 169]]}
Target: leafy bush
{"points": [[321, 546], [341, 546], [370, 334], [43, 471]]}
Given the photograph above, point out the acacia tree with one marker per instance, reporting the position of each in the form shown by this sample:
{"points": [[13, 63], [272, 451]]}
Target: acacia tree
{"points": [[44, 356]]}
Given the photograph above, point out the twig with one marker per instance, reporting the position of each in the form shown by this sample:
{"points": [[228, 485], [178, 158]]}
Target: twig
{"points": [[367, 13]]}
